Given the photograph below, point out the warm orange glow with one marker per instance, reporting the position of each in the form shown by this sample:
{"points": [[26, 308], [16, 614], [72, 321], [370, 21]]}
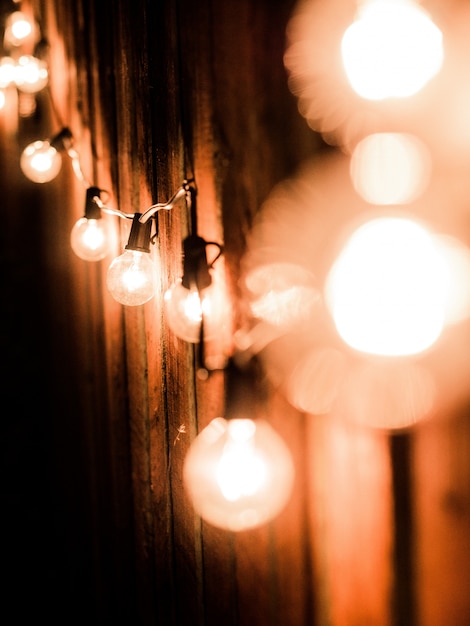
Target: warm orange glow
{"points": [[390, 168], [392, 50], [312, 385], [386, 291], [282, 293], [297, 235], [31, 74], [456, 259], [388, 394]]}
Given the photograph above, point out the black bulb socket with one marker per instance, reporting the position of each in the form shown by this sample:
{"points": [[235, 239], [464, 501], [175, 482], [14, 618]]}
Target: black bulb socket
{"points": [[139, 237], [92, 209], [62, 140], [195, 266]]}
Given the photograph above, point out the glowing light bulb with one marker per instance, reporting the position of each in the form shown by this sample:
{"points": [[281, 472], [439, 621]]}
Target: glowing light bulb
{"points": [[387, 290], [189, 302], [90, 237], [238, 473], [40, 162], [18, 29], [184, 310], [392, 50], [132, 278], [7, 72], [31, 74]]}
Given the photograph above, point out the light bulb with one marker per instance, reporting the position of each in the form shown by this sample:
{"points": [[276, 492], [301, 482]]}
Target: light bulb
{"points": [[31, 74], [7, 71], [132, 278], [387, 288], [238, 473], [392, 50], [190, 301], [40, 162], [89, 239], [184, 310], [18, 29]]}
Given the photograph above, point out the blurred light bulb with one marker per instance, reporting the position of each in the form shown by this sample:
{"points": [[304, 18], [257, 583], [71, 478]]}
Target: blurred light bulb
{"points": [[40, 162], [89, 239], [18, 29], [7, 71], [184, 310], [238, 473], [392, 50], [132, 278], [31, 74], [387, 290], [190, 301], [2, 98]]}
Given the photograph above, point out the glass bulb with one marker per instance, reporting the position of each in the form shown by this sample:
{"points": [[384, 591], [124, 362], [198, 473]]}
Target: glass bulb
{"points": [[40, 162], [89, 239], [31, 74], [184, 310], [132, 278], [238, 473]]}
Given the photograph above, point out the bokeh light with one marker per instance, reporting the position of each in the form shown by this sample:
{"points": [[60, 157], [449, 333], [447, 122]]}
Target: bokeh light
{"points": [[387, 289], [297, 237], [390, 168], [391, 50]]}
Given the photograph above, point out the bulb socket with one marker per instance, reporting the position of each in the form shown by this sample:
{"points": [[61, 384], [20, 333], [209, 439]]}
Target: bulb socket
{"points": [[62, 140], [92, 209], [195, 266], [139, 237], [244, 388]]}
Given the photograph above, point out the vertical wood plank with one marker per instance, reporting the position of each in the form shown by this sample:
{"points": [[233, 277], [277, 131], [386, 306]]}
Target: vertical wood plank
{"points": [[351, 516], [441, 494]]}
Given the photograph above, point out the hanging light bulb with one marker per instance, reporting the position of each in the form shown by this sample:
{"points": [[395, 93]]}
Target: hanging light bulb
{"points": [[31, 74], [392, 50], [131, 278], [238, 472], [188, 301], [41, 161], [90, 237], [18, 29]]}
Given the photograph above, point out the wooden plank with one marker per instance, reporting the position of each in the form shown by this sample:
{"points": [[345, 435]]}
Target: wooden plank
{"points": [[351, 522], [441, 492]]}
